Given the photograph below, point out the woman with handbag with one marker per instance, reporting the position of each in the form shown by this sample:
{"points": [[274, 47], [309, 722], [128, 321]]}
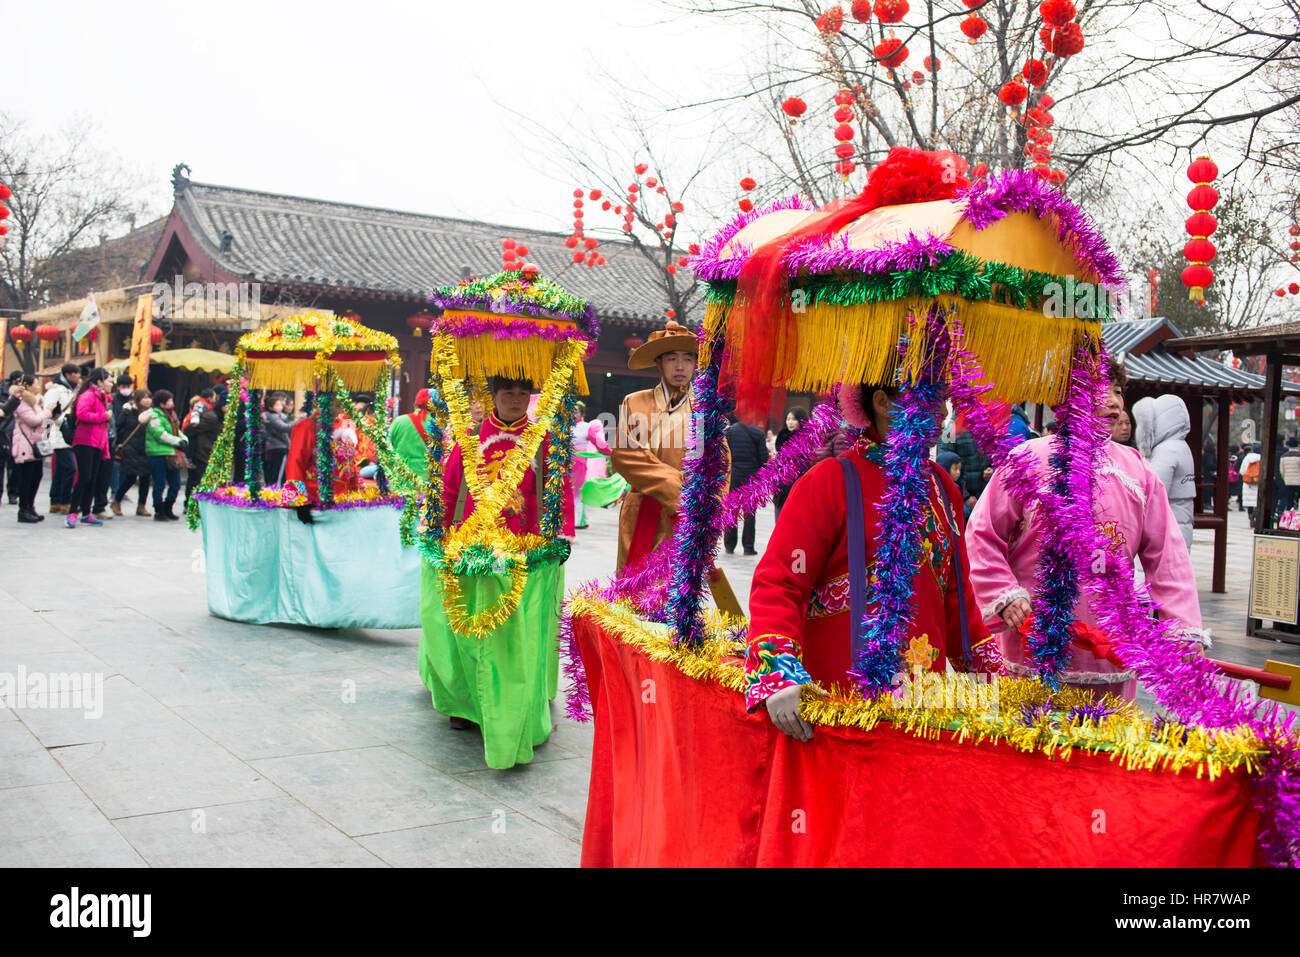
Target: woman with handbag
{"points": [[90, 443], [162, 444], [132, 460], [30, 448]]}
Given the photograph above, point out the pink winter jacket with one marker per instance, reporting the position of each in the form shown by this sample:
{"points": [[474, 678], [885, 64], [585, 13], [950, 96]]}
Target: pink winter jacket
{"points": [[92, 420], [29, 428]]}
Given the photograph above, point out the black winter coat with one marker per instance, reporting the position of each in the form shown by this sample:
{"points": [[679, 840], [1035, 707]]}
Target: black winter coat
{"points": [[748, 451], [134, 461]]}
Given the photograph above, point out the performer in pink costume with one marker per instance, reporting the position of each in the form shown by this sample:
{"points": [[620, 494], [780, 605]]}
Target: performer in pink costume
{"points": [[586, 436], [1132, 511]]}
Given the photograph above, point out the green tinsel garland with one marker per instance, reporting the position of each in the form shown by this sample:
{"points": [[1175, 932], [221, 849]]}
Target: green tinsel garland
{"points": [[559, 464], [542, 292], [324, 447], [220, 461], [958, 273]]}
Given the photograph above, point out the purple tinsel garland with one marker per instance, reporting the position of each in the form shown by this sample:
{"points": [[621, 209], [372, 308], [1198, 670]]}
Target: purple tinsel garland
{"points": [[586, 320], [577, 696], [466, 326], [215, 496], [707, 264], [913, 428], [1013, 190]]}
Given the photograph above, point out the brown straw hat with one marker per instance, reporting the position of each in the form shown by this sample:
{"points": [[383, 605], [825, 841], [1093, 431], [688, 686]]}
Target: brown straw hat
{"points": [[674, 337]]}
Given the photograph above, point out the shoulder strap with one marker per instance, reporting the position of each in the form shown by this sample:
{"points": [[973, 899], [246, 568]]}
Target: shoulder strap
{"points": [[855, 525], [966, 658]]}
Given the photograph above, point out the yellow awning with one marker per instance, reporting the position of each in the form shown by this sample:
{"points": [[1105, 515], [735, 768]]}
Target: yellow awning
{"points": [[196, 360]]}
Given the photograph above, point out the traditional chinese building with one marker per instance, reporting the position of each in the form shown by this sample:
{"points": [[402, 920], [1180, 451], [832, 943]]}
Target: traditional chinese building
{"points": [[382, 264]]}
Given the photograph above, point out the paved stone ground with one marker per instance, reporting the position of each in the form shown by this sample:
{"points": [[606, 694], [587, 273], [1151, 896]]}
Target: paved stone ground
{"points": [[229, 744]]}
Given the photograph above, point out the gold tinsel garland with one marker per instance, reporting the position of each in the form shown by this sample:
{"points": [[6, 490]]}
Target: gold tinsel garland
{"points": [[1128, 735], [483, 525]]}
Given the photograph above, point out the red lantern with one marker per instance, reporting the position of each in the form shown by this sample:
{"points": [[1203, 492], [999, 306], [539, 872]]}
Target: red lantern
{"points": [[21, 335], [891, 11], [979, 170], [861, 11], [1294, 288], [1196, 277], [843, 114], [1295, 245], [671, 313], [651, 182], [590, 243], [932, 64], [891, 52], [1013, 93], [1065, 42], [845, 150], [47, 333], [1035, 71], [1280, 293], [1199, 250], [507, 244], [747, 184], [5, 191], [918, 77], [571, 242], [845, 167], [1294, 230], [419, 322], [1203, 196], [633, 342], [844, 98], [641, 168], [1201, 224], [1057, 176], [579, 256], [745, 206], [1057, 12], [974, 27], [156, 334], [4, 212], [794, 108], [1202, 170], [844, 132]]}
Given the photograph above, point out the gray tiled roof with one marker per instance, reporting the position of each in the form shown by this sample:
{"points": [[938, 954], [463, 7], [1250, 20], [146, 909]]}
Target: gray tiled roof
{"points": [[1160, 366], [289, 240]]}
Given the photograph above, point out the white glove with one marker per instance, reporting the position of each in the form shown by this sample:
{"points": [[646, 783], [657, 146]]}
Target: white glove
{"points": [[172, 440]]}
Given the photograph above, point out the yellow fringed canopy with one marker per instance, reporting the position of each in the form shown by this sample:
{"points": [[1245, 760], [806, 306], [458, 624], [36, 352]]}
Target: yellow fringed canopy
{"points": [[301, 351], [1025, 352], [531, 358]]}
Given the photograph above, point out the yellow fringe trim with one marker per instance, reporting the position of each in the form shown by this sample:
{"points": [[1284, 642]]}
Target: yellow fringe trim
{"points": [[481, 356], [1129, 736], [1025, 354], [290, 375]]}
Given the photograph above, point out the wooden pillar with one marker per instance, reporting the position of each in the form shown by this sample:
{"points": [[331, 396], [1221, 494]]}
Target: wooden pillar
{"points": [[1219, 585], [1196, 440], [1268, 440]]}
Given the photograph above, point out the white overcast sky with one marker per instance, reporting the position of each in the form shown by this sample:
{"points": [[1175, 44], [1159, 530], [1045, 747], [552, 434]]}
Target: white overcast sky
{"points": [[404, 105]]}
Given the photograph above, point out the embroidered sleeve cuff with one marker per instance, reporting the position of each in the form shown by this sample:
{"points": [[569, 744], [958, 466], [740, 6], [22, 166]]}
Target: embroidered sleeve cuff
{"points": [[994, 608], [771, 665], [1199, 635]]}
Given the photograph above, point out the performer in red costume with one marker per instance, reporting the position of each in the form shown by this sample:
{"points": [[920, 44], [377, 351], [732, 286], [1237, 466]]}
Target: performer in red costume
{"points": [[345, 439], [800, 614], [497, 435]]}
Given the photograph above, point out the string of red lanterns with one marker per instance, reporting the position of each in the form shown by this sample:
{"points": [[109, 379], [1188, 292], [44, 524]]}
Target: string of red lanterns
{"points": [[5, 193], [1200, 226]]}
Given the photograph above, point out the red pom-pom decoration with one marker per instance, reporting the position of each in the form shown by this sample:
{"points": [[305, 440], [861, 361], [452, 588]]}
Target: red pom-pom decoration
{"points": [[974, 27], [891, 11], [891, 52], [1057, 12], [915, 176], [1013, 93], [1064, 42], [1035, 71]]}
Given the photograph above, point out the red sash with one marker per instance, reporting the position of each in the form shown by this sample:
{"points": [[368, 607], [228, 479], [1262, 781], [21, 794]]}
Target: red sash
{"points": [[646, 529]]}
